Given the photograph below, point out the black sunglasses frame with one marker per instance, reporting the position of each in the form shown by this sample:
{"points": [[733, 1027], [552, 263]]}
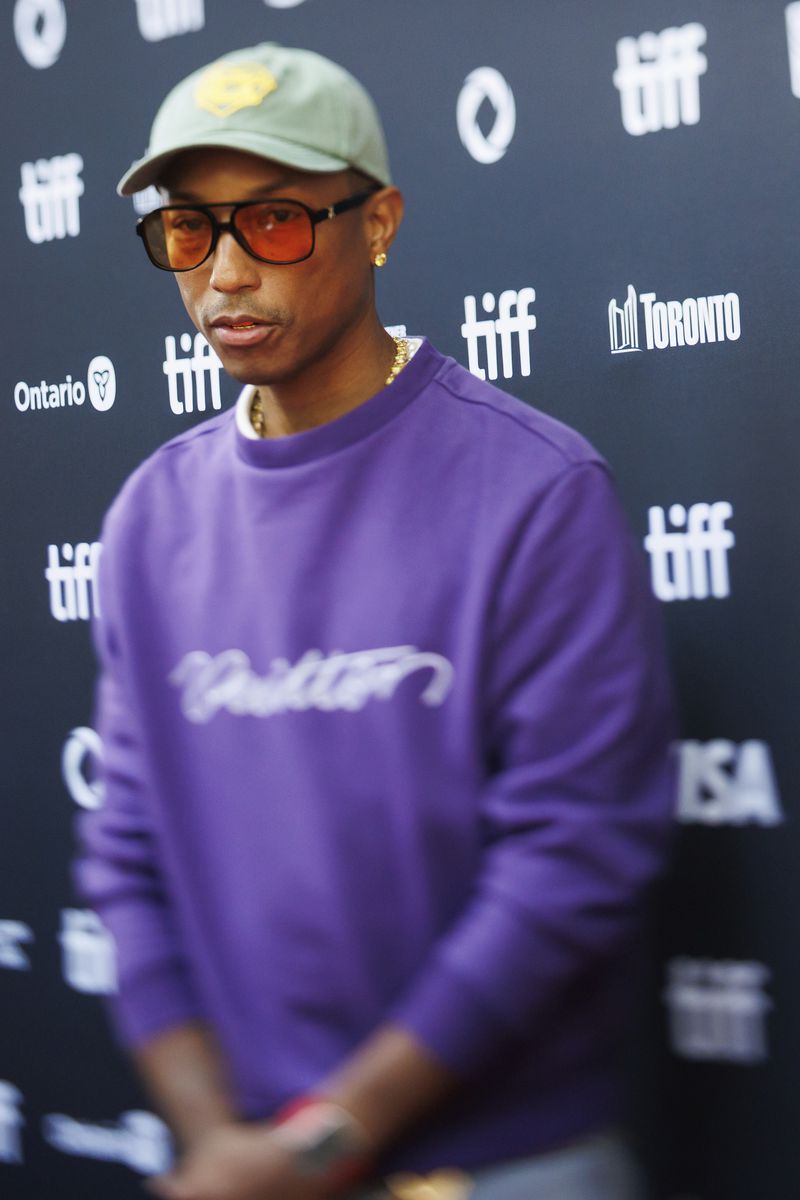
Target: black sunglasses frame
{"points": [[315, 215]]}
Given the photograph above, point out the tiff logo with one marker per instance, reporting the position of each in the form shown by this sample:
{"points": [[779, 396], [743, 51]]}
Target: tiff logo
{"points": [[51, 189], [717, 1010], [73, 581], [658, 78], [13, 936], [88, 953], [690, 562], [146, 200], [720, 783], [140, 1140], [11, 1122], [793, 42], [514, 324], [192, 372], [160, 19]]}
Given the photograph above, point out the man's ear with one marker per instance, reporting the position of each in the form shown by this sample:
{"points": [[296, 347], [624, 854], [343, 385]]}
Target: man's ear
{"points": [[382, 216]]}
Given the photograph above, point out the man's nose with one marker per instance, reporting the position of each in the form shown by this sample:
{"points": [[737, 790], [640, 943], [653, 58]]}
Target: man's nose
{"points": [[233, 269]]}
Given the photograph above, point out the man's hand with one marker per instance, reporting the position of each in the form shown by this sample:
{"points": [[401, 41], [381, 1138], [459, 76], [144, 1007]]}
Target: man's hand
{"points": [[390, 1081], [237, 1162]]}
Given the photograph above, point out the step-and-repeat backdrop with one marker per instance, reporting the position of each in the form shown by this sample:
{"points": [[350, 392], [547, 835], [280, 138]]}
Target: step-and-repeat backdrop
{"points": [[603, 216]]}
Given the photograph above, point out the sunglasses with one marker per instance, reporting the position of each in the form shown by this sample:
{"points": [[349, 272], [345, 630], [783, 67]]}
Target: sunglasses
{"points": [[179, 237]]}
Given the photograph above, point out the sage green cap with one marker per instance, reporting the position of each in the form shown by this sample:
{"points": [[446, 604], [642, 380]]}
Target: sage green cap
{"points": [[291, 106]]}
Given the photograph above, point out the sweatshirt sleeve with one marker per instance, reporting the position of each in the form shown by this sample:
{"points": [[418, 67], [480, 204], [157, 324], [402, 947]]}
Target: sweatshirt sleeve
{"points": [[117, 868], [578, 798]]}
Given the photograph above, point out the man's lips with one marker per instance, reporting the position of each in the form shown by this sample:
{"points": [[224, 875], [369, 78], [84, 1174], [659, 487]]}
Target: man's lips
{"points": [[241, 329], [234, 319]]}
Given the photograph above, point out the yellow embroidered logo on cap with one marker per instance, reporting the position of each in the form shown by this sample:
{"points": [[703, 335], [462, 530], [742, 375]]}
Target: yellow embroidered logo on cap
{"points": [[224, 90]]}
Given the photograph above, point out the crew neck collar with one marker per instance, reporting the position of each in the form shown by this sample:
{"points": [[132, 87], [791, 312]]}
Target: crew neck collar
{"points": [[343, 431]]}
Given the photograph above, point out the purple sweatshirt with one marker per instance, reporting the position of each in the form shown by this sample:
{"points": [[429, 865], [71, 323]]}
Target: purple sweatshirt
{"points": [[386, 719]]}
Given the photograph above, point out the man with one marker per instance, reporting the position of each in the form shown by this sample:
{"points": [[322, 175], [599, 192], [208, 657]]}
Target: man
{"points": [[384, 711]]}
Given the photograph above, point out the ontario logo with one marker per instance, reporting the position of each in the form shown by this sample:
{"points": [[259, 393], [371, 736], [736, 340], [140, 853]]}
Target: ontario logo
{"points": [[670, 323], [44, 395]]}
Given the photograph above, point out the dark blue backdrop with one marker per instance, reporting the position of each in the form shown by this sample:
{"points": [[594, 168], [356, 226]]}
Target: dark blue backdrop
{"points": [[668, 163]]}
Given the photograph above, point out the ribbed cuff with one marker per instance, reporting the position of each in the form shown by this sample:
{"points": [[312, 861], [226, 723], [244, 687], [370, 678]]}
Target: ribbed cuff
{"points": [[445, 1013], [157, 1000]]}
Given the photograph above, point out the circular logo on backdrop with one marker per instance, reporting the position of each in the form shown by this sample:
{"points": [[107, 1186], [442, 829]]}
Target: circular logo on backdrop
{"points": [[101, 382], [40, 27], [485, 83], [283, 3], [80, 758]]}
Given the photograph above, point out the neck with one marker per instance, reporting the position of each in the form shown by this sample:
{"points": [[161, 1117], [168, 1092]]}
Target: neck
{"points": [[352, 371]]}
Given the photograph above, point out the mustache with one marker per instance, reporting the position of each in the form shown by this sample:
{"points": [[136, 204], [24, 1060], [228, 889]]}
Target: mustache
{"points": [[270, 316]]}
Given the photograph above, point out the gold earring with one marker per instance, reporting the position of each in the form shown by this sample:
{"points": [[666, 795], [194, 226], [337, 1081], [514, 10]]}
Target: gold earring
{"points": [[380, 259]]}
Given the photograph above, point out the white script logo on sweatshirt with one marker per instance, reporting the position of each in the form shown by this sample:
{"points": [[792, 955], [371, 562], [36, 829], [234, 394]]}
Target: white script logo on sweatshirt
{"points": [[325, 682]]}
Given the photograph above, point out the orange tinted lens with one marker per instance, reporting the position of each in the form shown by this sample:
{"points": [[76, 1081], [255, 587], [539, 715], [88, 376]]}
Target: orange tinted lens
{"points": [[280, 232], [179, 237]]}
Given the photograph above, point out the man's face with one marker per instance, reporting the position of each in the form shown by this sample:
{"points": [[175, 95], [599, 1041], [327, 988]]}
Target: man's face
{"points": [[269, 323]]}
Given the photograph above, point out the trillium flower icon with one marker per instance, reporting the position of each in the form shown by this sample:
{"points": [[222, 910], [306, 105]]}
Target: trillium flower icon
{"points": [[101, 382], [101, 379]]}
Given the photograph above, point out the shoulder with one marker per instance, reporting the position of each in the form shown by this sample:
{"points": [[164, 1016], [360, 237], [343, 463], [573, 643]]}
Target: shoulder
{"points": [[521, 472], [150, 490], [508, 427]]}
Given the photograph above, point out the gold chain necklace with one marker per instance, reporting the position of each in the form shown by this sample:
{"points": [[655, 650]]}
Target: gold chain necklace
{"points": [[257, 418], [402, 355]]}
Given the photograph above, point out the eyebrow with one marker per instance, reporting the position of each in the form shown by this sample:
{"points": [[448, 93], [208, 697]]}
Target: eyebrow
{"points": [[255, 193]]}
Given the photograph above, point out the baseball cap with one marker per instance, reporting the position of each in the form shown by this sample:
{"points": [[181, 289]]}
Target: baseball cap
{"points": [[292, 106]]}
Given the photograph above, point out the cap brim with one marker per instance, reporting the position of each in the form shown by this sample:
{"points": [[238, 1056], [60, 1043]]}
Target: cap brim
{"points": [[149, 169]]}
